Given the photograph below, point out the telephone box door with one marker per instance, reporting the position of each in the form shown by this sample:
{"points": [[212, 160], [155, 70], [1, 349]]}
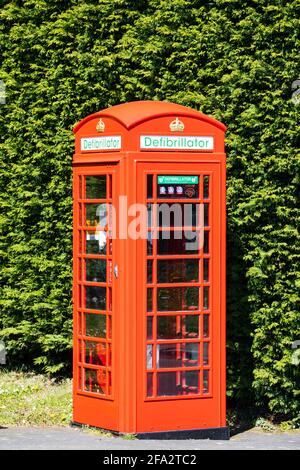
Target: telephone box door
{"points": [[95, 299], [180, 351]]}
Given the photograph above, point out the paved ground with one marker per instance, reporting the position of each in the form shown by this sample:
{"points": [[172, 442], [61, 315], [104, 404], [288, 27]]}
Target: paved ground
{"points": [[69, 438]]}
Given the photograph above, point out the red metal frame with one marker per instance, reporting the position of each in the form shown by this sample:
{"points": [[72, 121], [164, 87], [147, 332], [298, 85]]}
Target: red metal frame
{"points": [[125, 405]]}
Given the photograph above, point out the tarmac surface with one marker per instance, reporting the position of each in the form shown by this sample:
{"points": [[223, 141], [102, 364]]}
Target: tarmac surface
{"points": [[18, 438]]}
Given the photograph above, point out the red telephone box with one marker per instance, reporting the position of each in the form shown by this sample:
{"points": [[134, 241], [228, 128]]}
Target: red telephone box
{"points": [[149, 271]]}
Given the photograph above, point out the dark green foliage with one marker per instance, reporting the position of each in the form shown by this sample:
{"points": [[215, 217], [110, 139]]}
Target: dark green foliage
{"points": [[234, 60]]}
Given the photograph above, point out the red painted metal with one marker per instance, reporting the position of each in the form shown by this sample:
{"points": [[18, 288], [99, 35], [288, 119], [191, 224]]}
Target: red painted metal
{"points": [[180, 383]]}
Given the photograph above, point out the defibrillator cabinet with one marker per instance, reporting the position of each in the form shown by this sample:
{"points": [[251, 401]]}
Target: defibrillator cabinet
{"points": [[149, 271]]}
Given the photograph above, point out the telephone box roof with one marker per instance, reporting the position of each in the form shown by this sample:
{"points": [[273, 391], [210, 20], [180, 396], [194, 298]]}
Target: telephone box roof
{"points": [[135, 112]]}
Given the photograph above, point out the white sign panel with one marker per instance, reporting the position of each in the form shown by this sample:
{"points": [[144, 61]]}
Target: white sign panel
{"points": [[174, 142], [96, 144]]}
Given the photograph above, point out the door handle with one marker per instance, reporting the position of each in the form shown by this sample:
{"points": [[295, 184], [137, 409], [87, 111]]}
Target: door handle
{"points": [[116, 271]]}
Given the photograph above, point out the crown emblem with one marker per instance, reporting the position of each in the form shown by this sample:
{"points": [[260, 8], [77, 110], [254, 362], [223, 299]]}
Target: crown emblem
{"points": [[100, 126], [176, 125]]}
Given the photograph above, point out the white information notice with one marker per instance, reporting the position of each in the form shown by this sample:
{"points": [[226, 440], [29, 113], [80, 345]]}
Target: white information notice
{"points": [[96, 144], [176, 142]]}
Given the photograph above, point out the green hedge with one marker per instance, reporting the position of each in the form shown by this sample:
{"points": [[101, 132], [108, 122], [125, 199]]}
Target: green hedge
{"points": [[231, 59]]}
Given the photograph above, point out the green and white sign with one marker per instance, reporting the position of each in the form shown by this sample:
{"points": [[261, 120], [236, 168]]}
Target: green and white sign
{"points": [[176, 179], [96, 144], [174, 142]]}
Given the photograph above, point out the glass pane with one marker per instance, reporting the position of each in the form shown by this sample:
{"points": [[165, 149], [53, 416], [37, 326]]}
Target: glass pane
{"points": [[205, 381], [109, 271], [149, 186], [95, 187], [81, 221], [80, 351], [109, 354], [80, 378], [109, 299], [95, 381], [149, 327], [109, 326], [149, 356], [80, 187], [177, 299], [167, 327], [96, 243], [206, 242], [149, 300], [206, 326], [205, 354], [96, 214], [149, 271], [190, 353], [95, 270], [168, 383], [183, 270], [206, 270], [168, 355], [177, 355], [149, 244], [95, 353], [109, 383], [95, 297], [110, 187], [177, 215], [190, 326], [190, 382], [95, 325], [149, 215], [149, 384], [177, 242], [109, 242], [206, 298], [206, 187], [206, 213], [177, 383], [172, 327]]}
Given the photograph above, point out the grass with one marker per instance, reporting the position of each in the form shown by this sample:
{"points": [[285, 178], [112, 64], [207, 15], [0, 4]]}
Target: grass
{"points": [[27, 399], [129, 437], [96, 431]]}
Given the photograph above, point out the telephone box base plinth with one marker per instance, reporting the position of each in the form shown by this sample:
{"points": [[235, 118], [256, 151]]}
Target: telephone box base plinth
{"points": [[215, 434]]}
